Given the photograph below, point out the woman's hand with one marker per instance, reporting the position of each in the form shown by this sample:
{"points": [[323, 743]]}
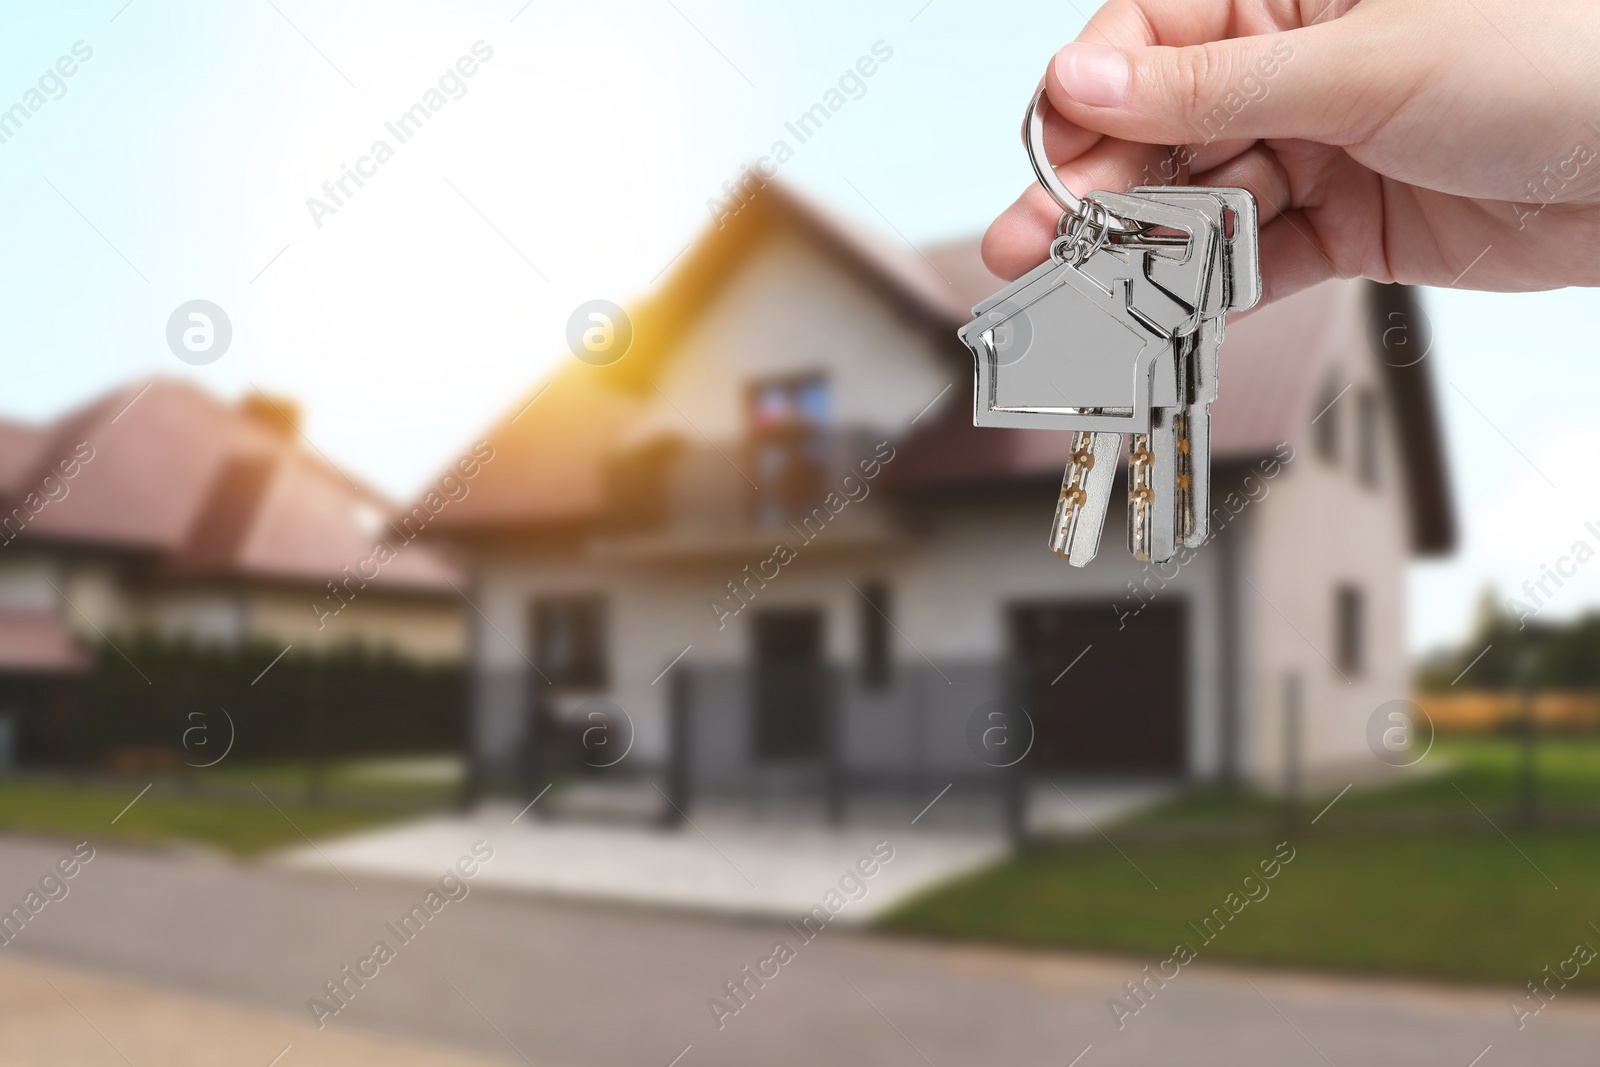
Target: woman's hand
{"points": [[1434, 142]]}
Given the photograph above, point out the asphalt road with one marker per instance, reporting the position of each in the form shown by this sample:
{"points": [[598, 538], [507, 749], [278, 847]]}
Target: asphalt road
{"points": [[562, 984]]}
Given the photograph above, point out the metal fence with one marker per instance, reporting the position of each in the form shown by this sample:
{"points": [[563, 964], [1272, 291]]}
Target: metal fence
{"points": [[851, 744], [814, 742]]}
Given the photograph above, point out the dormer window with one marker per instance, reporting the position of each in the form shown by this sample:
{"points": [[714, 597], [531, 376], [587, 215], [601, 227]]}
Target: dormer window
{"points": [[787, 420], [783, 402]]}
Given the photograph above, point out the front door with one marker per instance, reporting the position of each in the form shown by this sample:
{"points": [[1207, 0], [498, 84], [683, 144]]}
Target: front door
{"points": [[1121, 706], [790, 685]]}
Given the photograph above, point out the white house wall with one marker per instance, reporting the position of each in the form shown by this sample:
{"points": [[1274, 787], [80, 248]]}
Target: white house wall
{"points": [[791, 310], [950, 590], [25, 581], [1322, 527]]}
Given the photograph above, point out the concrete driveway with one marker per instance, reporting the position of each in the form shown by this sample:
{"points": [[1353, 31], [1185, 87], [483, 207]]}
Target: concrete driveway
{"points": [[573, 985], [722, 859], [715, 863]]}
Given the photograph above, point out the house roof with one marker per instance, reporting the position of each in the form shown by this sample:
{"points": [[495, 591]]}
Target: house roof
{"points": [[205, 489], [552, 457], [552, 447], [20, 445]]}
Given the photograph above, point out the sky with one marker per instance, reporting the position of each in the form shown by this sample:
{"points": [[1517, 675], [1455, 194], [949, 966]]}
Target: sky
{"points": [[576, 163]]}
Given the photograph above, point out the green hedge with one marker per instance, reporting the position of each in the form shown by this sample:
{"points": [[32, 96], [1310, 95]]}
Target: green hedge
{"points": [[350, 702]]}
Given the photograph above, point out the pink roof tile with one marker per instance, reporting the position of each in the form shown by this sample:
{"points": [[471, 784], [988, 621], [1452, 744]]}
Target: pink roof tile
{"points": [[207, 490], [20, 446]]}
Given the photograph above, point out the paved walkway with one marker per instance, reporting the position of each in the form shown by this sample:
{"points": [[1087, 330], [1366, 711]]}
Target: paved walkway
{"points": [[562, 984], [721, 860], [733, 866]]}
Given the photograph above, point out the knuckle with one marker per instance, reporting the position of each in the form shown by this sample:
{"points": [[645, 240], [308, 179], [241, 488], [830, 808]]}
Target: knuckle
{"points": [[1194, 76]]}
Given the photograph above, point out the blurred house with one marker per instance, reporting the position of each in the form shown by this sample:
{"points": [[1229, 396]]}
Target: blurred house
{"points": [[779, 493], [160, 507]]}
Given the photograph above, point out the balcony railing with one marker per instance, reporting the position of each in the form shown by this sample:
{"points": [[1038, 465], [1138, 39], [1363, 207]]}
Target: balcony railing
{"points": [[700, 497]]}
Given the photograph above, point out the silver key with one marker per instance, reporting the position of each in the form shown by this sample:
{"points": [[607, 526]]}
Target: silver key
{"points": [[1194, 476], [1058, 349], [1237, 288], [1161, 476], [1188, 443], [1128, 311], [1117, 333]]}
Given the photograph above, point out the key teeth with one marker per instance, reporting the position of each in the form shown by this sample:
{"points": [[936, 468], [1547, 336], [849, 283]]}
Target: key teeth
{"points": [[1141, 494], [1085, 495], [1068, 510]]}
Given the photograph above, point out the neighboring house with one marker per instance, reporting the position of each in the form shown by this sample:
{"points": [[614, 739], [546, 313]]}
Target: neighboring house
{"points": [[160, 507], [780, 483]]}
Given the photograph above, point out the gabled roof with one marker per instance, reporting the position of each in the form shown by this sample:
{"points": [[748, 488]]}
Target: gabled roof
{"points": [[550, 470], [553, 444], [200, 488]]}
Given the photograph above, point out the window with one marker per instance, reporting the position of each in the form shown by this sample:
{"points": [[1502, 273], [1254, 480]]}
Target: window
{"points": [[874, 635], [1370, 439], [1325, 424], [569, 641], [787, 420], [1350, 629]]}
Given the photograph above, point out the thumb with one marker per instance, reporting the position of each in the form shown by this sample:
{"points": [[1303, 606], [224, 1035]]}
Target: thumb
{"points": [[1292, 84]]}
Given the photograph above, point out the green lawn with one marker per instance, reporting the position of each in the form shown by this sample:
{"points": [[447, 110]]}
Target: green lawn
{"points": [[218, 809], [1568, 777], [1452, 900]]}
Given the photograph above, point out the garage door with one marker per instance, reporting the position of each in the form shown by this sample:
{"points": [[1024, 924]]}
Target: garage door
{"points": [[1121, 707]]}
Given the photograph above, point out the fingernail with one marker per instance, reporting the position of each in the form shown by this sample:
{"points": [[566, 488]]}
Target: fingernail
{"points": [[1093, 74]]}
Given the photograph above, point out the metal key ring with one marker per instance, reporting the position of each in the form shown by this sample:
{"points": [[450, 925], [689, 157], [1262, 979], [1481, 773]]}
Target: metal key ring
{"points": [[1033, 141]]}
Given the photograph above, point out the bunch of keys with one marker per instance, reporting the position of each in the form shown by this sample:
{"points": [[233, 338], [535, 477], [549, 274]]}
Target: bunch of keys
{"points": [[1117, 334]]}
